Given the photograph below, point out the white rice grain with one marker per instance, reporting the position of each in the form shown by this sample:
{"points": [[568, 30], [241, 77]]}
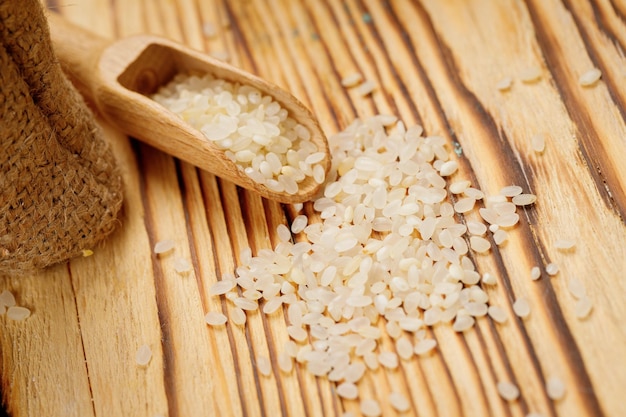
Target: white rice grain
{"points": [[366, 87], [590, 78], [530, 75], [576, 288], [351, 79], [347, 390], [504, 84], [370, 408], [7, 298], [143, 355], [404, 348], [524, 199], [213, 318], [508, 390], [583, 308], [399, 402], [538, 143], [552, 269], [521, 307], [555, 388], [425, 346], [565, 244], [181, 265], [17, 313], [388, 359], [497, 314], [263, 365], [535, 273], [164, 246]]}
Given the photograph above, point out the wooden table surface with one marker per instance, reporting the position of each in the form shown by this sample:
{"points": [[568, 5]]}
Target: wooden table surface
{"points": [[434, 62]]}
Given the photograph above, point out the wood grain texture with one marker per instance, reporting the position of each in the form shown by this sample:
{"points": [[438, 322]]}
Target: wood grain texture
{"points": [[435, 63]]}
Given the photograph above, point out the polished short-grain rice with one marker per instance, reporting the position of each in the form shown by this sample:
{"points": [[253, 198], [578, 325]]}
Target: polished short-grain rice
{"points": [[508, 390], [213, 318], [521, 307], [143, 355], [347, 390], [17, 313], [590, 77], [164, 246], [555, 388], [370, 408], [399, 402]]}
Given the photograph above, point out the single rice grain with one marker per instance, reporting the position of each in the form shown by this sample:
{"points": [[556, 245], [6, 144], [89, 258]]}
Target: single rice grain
{"points": [[508, 390], [399, 402], [213, 318], [164, 246], [370, 408], [143, 355], [17, 313], [590, 78], [555, 388], [521, 307]]}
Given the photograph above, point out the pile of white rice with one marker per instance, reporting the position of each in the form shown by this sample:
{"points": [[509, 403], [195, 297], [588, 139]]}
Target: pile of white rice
{"points": [[388, 244], [253, 129]]}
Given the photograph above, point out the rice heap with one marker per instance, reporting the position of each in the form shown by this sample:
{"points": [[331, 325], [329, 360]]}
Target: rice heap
{"points": [[389, 245], [253, 129]]}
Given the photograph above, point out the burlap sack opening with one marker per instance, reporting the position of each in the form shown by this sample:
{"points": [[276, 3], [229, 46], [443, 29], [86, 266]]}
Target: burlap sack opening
{"points": [[60, 188]]}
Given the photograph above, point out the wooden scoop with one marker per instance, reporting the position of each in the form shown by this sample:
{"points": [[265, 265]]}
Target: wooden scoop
{"points": [[117, 77]]}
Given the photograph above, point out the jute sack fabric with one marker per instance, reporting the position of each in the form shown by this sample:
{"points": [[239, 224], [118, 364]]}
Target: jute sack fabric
{"points": [[60, 188]]}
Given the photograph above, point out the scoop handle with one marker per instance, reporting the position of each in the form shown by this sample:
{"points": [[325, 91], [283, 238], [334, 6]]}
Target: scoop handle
{"points": [[78, 52]]}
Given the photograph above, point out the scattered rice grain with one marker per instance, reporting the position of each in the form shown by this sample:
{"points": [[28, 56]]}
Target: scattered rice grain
{"points": [[351, 79], [489, 279], [555, 388], [565, 244], [347, 390], [552, 269], [370, 408], [530, 75], [463, 323], [388, 359], [7, 298], [264, 365], [590, 77], [164, 246], [404, 348], [583, 307], [399, 402], [497, 314], [521, 307], [500, 237], [576, 288], [511, 190], [479, 244], [366, 87], [285, 362], [508, 390], [524, 199], [143, 355], [504, 84], [425, 346], [535, 273], [214, 318], [17, 313], [181, 265], [538, 143]]}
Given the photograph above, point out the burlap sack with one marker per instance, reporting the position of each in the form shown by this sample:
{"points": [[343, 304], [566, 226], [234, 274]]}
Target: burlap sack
{"points": [[60, 189]]}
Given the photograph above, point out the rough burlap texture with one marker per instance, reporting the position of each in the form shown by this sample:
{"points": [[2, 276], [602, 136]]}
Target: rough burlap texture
{"points": [[60, 188]]}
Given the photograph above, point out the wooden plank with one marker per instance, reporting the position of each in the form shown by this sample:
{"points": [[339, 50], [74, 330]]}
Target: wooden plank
{"points": [[436, 63]]}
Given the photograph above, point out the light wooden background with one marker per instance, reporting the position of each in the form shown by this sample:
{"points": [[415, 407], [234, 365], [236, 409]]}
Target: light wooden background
{"points": [[435, 63]]}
